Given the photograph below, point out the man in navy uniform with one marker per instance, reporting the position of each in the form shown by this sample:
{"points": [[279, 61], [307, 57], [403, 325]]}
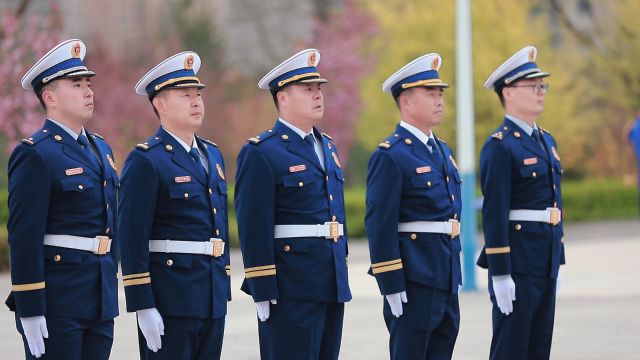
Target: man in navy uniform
{"points": [[173, 215], [62, 199], [413, 207], [290, 207], [520, 173]]}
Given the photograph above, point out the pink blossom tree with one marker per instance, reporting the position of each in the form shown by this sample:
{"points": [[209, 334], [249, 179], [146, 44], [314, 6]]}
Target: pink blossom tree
{"points": [[23, 39], [341, 39]]}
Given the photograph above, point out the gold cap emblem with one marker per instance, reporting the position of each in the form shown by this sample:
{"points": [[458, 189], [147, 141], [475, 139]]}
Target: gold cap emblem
{"points": [[188, 62], [311, 60], [435, 63], [532, 55], [75, 50]]}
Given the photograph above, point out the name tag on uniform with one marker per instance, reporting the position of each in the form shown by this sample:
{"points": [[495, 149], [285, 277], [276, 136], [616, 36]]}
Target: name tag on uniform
{"points": [[297, 168], [530, 161], [182, 179], [74, 171], [423, 169]]}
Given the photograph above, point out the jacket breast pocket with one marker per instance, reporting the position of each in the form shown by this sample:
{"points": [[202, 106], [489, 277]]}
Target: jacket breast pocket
{"points": [[184, 191], [298, 180], [78, 184], [426, 181], [533, 171]]}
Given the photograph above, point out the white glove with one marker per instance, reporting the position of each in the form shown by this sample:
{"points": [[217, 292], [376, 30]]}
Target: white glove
{"points": [[152, 327], [558, 283], [263, 309], [35, 331], [505, 291], [395, 302]]}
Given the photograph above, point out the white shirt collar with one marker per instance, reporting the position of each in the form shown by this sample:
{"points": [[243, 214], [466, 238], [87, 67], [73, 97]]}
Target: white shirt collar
{"points": [[296, 129], [523, 125], [186, 147], [417, 132], [73, 134]]}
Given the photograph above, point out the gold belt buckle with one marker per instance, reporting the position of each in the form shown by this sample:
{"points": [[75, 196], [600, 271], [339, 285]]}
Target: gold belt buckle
{"points": [[455, 228], [334, 230], [218, 247], [554, 216], [103, 245]]}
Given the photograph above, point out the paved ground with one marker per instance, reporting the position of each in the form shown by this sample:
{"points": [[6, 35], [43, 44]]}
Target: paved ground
{"points": [[598, 310]]}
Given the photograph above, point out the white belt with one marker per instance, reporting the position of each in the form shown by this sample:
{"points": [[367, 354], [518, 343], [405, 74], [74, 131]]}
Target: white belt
{"points": [[550, 215], [451, 227], [330, 230], [98, 245], [214, 247]]}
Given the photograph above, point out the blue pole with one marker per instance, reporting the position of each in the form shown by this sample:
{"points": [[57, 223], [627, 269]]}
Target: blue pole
{"points": [[465, 140]]}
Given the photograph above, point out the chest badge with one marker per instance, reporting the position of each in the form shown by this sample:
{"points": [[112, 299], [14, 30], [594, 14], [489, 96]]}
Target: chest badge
{"points": [[74, 171], [297, 168], [182, 179], [555, 153], [530, 161], [423, 169], [219, 168]]}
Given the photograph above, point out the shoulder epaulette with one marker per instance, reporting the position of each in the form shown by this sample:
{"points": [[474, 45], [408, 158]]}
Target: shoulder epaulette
{"points": [[37, 137], [97, 135], [497, 135], [151, 142], [389, 142], [210, 142], [262, 137], [327, 136]]}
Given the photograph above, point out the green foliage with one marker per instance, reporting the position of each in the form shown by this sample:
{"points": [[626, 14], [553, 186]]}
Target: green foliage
{"points": [[599, 200], [592, 56]]}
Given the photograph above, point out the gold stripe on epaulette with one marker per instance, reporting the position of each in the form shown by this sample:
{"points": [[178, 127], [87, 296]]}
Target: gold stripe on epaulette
{"points": [[498, 250], [327, 136], [211, 142], [141, 281], [27, 141], [28, 287], [497, 135], [143, 147], [133, 276], [384, 145], [254, 140]]}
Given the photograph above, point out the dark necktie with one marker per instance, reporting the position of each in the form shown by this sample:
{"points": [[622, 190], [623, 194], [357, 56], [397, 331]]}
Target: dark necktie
{"points": [[195, 155], [86, 148], [435, 151], [310, 141], [536, 137]]}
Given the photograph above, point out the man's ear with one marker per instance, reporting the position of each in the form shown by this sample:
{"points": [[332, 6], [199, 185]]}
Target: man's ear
{"points": [[282, 98], [49, 98], [158, 103]]}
